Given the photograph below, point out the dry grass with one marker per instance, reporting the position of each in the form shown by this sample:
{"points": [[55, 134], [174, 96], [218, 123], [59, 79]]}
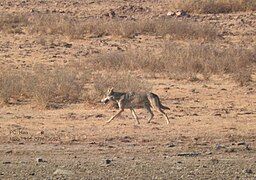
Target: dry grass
{"points": [[60, 85], [55, 24], [44, 86], [13, 23], [10, 85], [180, 61], [216, 6]]}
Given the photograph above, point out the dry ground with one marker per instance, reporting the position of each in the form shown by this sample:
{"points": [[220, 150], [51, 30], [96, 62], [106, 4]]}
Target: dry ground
{"points": [[213, 122]]}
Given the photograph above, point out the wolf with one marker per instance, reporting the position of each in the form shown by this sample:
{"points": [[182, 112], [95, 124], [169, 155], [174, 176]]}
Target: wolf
{"points": [[132, 100]]}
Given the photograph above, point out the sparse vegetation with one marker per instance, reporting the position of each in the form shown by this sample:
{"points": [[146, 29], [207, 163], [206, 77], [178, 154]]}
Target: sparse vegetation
{"points": [[10, 85], [179, 60], [13, 23], [216, 6], [45, 86], [54, 24]]}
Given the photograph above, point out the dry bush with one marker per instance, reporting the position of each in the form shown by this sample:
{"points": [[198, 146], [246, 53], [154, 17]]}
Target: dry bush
{"points": [[243, 76], [120, 81], [10, 85], [45, 86], [59, 85], [62, 25], [216, 6], [56, 24], [179, 60], [177, 29], [206, 58], [13, 23]]}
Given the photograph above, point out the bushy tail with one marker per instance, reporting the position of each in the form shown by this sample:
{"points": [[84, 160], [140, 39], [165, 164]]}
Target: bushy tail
{"points": [[152, 96], [164, 107]]}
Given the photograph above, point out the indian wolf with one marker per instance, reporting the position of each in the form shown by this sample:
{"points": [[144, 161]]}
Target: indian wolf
{"points": [[132, 100]]}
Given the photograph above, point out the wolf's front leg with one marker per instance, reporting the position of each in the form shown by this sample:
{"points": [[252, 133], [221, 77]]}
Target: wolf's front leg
{"points": [[117, 114]]}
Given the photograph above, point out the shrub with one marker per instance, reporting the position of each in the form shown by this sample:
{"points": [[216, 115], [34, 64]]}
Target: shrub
{"points": [[179, 60], [216, 6], [13, 23], [45, 86], [59, 85], [10, 85]]}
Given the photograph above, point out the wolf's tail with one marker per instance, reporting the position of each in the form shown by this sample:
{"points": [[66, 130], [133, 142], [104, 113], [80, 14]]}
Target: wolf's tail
{"points": [[164, 107], [155, 101]]}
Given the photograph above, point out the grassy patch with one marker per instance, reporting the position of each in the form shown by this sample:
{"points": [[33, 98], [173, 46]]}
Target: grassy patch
{"points": [[42, 85], [216, 6], [54, 24], [180, 60]]}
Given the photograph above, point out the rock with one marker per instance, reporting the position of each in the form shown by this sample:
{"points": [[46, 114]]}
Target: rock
{"points": [[241, 143], [39, 160], [32, 174], [67, 45], [8, 152], [7, 162], [248, 171], [170, 145], [111, 13], [178, 13], [182, 13], [62, 172], [219, 146], [189, 154], [194, 91], [108, 161], [99, 116], [171, 13], [230, 150]]}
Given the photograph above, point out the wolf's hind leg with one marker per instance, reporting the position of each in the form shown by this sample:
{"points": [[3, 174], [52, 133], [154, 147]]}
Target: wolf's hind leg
{"points": [[165, 115], [150, 112]]}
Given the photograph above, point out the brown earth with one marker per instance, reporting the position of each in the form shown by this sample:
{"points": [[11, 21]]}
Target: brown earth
{"points": [[213, 123]]}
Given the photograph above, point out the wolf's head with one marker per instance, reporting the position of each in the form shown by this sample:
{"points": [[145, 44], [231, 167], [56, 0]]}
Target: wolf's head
{"points": [[108, 96]]}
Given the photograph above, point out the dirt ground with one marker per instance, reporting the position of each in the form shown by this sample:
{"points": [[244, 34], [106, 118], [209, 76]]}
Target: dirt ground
{"points": [[212, 134]]}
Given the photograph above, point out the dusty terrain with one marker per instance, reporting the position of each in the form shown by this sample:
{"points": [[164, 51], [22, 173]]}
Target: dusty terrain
{"points": [[212, 134]]}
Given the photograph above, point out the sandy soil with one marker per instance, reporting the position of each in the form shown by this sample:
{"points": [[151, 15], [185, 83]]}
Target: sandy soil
{"points": [[213, 123]]}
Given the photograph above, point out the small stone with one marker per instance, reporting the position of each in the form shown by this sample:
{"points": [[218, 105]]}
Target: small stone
{"points": [[241, 143], [248, 171], [171, 13], [39, 160], [99, 116], [62, 172], [230, 150], [194, 91], [170, 145], [189, 154], [9, 152], [219, 146], [32, 174], [67, 45], [7, 162], [181, 13], [108, 161]]}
